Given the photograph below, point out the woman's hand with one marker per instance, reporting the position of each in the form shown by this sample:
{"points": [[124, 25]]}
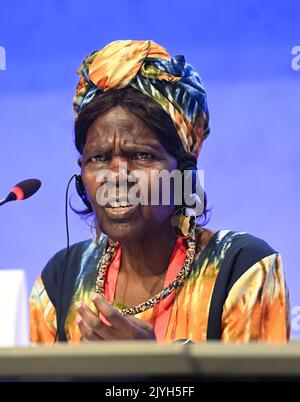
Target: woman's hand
{"points": [[121, 327]]}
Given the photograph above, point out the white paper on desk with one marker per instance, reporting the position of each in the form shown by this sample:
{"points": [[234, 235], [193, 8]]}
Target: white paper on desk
{"points": [[13, 308]]}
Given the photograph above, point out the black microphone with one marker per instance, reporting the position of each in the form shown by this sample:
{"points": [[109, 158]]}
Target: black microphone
{"points": [[22, 190]]}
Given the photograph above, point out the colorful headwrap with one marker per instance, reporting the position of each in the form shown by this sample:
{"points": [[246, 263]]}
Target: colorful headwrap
{"points": [[148, 68]]}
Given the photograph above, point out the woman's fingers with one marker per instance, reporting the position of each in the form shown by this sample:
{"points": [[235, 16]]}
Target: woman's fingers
{"points": [[141, 329], [126, 326], [122, 327], [86, 333], [91, 320], [116, 319], [140, 323]]}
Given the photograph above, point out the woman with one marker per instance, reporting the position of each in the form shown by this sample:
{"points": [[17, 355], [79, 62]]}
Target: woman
{"points": [[153, 272]]}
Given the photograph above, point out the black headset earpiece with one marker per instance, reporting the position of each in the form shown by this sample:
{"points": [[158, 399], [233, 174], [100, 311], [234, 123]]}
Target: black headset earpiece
{"points": [[191, 169], [81, 191]]}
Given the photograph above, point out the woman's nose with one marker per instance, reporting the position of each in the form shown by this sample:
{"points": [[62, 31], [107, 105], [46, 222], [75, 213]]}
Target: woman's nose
{"points": [[120, 169]]}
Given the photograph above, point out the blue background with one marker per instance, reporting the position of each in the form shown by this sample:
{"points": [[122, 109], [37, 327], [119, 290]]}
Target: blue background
{"points": [[242, 50]]}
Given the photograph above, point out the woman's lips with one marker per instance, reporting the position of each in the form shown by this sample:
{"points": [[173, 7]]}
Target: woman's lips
{"points": [[120, 212]]}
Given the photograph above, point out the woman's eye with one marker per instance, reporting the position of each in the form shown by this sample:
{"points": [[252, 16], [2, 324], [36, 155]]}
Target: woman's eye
{"points": [[140, 156], [98, 158], [143, 156]]}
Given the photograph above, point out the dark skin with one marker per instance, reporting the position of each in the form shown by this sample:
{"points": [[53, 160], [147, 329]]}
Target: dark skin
{"points": [[147, 236]]}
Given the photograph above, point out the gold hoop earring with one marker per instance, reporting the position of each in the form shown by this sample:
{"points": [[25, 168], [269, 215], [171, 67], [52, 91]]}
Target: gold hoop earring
{"points": [[183, 222]]}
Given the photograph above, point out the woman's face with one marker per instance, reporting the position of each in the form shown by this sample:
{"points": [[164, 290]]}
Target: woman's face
{"points": [[115, 137]]}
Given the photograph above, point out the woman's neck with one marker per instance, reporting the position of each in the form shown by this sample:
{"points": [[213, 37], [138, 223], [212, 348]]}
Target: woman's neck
{"points": [[150, 255]]}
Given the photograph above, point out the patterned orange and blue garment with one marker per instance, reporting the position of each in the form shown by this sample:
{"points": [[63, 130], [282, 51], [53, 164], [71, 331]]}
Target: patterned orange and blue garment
{"points": [[147, 67], [256, 307]]}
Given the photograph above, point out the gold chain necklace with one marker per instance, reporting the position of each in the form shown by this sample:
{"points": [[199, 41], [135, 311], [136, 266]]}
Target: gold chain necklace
{"points": [[177, 282]]}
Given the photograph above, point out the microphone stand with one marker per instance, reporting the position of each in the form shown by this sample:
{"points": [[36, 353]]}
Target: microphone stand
{"points": [[11, 197], [4, 201]]}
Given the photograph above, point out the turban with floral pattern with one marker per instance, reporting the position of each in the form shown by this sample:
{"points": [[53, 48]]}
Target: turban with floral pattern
{"points": [[148, 68]]}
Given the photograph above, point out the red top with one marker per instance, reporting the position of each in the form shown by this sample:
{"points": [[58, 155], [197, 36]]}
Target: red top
{"points": [[162, 310]]}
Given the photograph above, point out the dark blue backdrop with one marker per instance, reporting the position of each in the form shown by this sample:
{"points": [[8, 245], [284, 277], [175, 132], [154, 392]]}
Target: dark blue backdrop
{"points": [[243, 51]]}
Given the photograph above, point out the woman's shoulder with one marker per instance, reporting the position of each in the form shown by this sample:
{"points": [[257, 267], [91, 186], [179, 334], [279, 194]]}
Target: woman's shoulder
{"points": [[70, 259], [74, 251], [240, 248], [233, 253]]}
